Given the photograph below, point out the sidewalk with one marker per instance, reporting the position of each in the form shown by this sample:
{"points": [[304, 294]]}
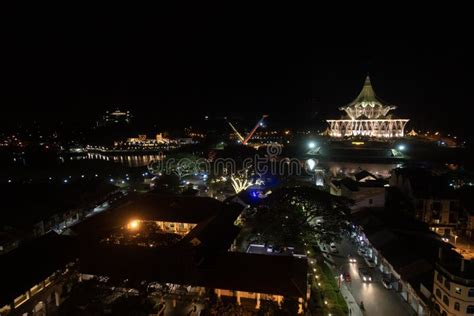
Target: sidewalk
{"points": [[354, 309]]}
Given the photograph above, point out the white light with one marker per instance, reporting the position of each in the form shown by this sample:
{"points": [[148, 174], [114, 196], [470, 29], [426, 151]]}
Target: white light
{"points": [[82, 176], [311, 145], [65, 181], [401, 147], [96, 175], [311, 163], [9, 180]]}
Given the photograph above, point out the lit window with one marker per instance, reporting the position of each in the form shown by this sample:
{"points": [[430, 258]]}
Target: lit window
{"points": [[458, 290]]}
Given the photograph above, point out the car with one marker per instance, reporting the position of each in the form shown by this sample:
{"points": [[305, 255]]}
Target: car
{"points": [[332, 247], [370, 262], [365, 275], [386, 283], [351, 259]]}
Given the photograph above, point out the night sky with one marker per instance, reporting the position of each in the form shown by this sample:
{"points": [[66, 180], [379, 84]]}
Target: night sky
{"points": [[168, 69]]}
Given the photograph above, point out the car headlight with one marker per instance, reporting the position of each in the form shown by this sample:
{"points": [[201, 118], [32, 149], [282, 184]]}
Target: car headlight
{"points": [[365, 279], [370, 279]]}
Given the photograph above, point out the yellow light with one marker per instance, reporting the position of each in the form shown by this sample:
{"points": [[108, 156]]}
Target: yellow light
{"points": [[358, 143], [133, 224]]}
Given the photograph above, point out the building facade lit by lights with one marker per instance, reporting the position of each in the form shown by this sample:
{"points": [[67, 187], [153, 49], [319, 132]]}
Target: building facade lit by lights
{"points": [[367, 116], [115, 117]]}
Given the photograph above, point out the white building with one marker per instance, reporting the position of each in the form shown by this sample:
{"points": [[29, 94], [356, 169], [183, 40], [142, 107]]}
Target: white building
{"points": [[367, 116]]}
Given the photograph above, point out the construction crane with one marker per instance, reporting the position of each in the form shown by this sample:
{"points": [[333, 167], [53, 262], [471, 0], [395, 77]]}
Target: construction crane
{"points": [[239, 136], [249, 136]]}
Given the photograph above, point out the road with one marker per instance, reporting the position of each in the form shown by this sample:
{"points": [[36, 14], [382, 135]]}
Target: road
{"points": [[376, 298]]}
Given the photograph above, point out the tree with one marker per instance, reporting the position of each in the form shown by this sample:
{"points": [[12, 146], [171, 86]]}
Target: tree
{"points": [[167, 183], [298, 215]]}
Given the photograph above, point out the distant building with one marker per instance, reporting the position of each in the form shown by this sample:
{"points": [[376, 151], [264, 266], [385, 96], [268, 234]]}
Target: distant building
{"points": [[367, 116], [115, 117]]}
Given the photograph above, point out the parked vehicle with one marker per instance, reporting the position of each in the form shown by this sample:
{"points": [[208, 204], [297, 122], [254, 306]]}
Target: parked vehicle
{"points": [[387, 284], [365, 275], [370, 262]]}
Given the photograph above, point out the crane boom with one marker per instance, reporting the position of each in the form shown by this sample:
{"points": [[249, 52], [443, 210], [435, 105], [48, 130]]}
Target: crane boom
{"points": [[241, 138], [259, 123]]}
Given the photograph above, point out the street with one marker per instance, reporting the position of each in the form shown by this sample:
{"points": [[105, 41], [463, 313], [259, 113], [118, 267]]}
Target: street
{"points": [[376, 298]]}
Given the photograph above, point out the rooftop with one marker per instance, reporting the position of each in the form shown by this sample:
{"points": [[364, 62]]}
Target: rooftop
{"points": [[282, 275], [367, 105], [23, 267]]}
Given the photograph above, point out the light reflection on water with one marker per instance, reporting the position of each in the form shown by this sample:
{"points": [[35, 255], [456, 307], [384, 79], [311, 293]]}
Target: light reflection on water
{"points": [[127, 160]]}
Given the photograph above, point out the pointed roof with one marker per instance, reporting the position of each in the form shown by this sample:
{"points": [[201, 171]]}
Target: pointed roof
{"points": [[367, 104]]}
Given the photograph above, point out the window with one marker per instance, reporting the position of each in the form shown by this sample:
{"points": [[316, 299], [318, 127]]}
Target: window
{"points": [[438, 293], [446, 300], [452, 205], [439, 278], [470, 309], [456, 306], [470, 293], [452, 217], [447, 284], [458, 290]]}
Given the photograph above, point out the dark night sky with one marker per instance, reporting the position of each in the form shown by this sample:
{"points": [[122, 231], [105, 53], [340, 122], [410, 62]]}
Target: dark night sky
{"points": [[165, 67]]}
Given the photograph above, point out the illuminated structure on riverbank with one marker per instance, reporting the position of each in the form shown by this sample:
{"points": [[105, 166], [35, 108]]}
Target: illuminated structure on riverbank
{"points": [[367, 116]]}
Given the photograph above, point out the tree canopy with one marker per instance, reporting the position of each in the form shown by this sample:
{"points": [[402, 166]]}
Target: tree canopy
{"points": [[299, 214]]}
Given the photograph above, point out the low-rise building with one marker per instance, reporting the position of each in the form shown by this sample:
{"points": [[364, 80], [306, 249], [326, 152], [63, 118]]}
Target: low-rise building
{"points": [[433, 200], [453, 289], [366, 192]]}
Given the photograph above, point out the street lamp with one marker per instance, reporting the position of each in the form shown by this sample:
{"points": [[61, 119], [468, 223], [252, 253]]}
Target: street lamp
{"points": [[311, 145], [133, 224], [401, 147], [311, 164]]}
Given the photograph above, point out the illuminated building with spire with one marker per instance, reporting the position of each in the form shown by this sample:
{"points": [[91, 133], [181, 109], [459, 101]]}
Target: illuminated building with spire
{"points": [[367, 116]]}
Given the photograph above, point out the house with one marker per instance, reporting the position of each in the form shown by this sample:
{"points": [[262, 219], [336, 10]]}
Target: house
{"points": [[434, 201], [453, 289], [365, 193]]}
